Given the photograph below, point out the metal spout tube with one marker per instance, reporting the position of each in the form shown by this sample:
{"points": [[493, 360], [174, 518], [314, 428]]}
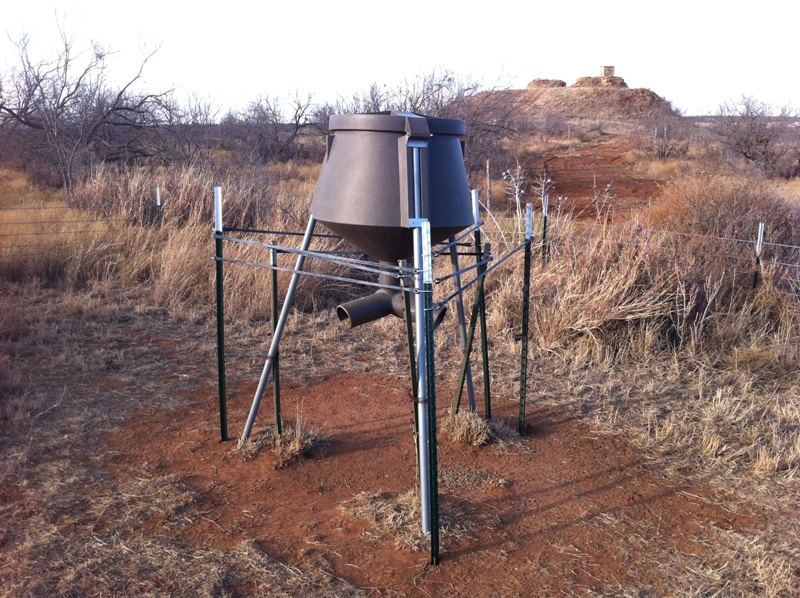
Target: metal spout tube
{"points": [[366, 309], [383, 302]]}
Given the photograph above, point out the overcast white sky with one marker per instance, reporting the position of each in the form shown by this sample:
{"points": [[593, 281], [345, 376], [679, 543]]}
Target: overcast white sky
{"points": [[694, 53]]}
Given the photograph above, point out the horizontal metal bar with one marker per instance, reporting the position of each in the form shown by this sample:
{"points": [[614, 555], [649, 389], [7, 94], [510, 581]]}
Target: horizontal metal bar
{"points": [[443, 248], [367, 266], [467, 269], [318, 275], [477, 278], [231, 229]]}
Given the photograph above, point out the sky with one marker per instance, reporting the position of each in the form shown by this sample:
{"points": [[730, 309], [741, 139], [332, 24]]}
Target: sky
{"points": [[697, 54]]}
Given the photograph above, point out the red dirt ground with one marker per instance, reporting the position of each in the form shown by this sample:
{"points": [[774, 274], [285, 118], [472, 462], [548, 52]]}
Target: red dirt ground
{"points": [[578, 172], [578, 511]]}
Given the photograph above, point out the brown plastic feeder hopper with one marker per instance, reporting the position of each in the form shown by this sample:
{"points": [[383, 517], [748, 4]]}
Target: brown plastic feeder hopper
{"points": [[366, 192]]}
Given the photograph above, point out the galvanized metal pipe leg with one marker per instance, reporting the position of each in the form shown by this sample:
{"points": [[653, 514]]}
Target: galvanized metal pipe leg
{"points": [[462, 324], [422, 385], [276, 337]]}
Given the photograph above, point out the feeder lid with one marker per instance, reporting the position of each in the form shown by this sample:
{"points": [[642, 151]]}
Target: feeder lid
{"points": [[394, 121]]}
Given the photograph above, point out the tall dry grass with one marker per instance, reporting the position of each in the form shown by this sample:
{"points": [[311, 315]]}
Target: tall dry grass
{"points": [[678, 307], [113, 237]]}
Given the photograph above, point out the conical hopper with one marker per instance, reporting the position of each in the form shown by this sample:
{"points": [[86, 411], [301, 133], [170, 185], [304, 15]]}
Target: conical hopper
{"points": [[365, 191]]}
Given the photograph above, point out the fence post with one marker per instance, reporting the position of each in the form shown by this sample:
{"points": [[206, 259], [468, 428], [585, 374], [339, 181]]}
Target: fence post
{"points": [[545, 209], [759, 249], [223, 400], [481, 304], [526, 288], [276, 374], [159, 207]]}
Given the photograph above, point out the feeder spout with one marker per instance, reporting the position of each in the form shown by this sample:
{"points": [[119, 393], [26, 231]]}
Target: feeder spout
{"points": [[383, 302], [366, 309]]}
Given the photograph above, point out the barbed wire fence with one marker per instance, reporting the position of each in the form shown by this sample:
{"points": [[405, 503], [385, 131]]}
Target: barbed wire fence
{"points": [[28, 233], [745, 256]]}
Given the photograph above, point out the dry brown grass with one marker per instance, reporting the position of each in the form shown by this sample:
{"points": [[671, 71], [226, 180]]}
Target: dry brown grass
{"points": [[16, 190], [397, 517], [471, 429], [293, 443], [726, 206], [662, 170], [790, 191]]}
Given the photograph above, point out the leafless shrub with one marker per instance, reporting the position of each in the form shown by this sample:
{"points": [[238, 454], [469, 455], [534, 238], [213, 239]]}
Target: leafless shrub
{"points": [[711, 212], [74, 114], [667, 136], [752, 131], [492, 117]]}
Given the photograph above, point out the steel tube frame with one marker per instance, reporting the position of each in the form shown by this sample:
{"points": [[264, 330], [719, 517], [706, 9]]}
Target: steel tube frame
{"points": [[423, 440], [276, 336]]}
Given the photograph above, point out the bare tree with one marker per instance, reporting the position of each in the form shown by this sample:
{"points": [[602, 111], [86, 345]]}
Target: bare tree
{"points": [[377, 98], [76, 116], [665, 136], [753, 131], [189, 133], [491, 115], [267, 131]]}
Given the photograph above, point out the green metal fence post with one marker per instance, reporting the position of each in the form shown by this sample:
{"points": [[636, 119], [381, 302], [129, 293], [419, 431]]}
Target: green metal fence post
{"points": [[223, 401], [430, 383], [481, 304], [526, 288], [473, 321], [433, 468], [412, 366]]}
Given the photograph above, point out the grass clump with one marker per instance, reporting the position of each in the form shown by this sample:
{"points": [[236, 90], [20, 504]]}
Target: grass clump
{"points": [[293, 443], [397, 517], [469, 428]]}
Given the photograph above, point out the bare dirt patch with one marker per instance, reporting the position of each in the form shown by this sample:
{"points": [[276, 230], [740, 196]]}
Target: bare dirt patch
{"points": [[581, 173], [570, 510]]}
